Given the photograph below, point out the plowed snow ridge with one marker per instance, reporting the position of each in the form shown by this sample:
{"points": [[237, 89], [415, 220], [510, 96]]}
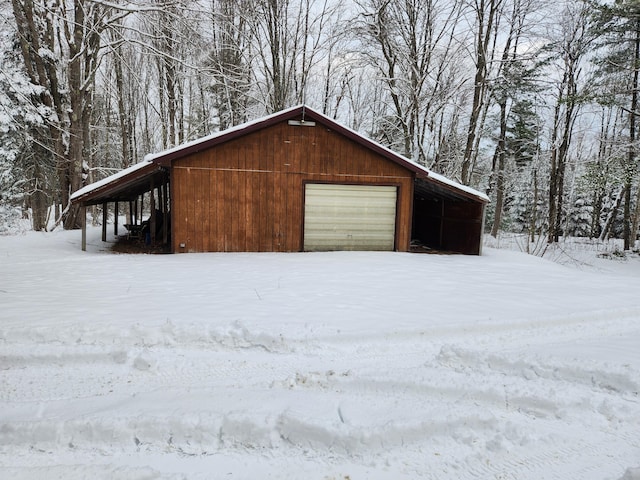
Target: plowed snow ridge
{"points": [[314, 366]]}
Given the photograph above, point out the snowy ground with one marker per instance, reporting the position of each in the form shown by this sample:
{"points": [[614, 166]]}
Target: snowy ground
{"points": [[316, 366]]}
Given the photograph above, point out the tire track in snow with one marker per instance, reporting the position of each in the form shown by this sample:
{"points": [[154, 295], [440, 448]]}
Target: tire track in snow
{"points": [[550, 461], [528, 384], [83, 472], [175, 366], [104, 373], [589, 324], [619, 379]]}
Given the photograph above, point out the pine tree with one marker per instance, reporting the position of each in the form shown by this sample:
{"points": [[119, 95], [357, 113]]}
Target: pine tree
{"points": [[523, 132], [27, 172], [618, 27]]}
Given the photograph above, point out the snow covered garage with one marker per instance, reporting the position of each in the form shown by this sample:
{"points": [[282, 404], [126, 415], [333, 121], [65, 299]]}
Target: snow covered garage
{"points": [[299, 181]]}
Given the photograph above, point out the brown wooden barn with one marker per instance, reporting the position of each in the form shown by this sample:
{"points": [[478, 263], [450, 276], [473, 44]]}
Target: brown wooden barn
{"points": [[293, 181]]}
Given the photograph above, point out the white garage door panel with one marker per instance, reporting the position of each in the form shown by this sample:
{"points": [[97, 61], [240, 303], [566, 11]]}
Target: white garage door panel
{"points": [[349, 217]]}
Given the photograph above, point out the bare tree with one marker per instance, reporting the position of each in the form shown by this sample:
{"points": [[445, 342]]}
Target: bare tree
{"points": [[571, 48], [487, 14], [63, 45], [514, 80], [166, 33], [414, 46], [229, 60], [124, 102], [289, 42]]}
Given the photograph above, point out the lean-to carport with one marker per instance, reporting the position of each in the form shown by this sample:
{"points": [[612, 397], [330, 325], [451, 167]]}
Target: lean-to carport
{"points": [[129, 186], [447, 219]]}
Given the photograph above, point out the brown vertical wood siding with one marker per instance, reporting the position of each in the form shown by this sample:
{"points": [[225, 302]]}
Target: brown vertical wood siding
{"points": [[247, 195]]}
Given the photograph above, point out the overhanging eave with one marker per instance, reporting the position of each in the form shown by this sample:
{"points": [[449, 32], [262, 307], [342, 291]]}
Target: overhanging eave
{"points": [[123, 186]]}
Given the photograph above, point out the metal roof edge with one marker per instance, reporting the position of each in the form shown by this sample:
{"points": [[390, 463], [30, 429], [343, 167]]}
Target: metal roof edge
{"points": [[165, 157], [96, 188]]}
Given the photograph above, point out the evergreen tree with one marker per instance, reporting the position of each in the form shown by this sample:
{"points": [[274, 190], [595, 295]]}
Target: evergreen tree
{"points": [[579, 216], [618, 27], [521, 148], [27, 172], [523, 132]]}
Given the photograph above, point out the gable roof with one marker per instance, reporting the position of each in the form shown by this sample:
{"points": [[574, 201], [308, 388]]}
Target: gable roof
{"points": [[303, 113], [128, 183]]}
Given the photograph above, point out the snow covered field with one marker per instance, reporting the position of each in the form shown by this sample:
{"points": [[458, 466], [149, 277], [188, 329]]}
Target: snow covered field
{"points": [[315, 366]]}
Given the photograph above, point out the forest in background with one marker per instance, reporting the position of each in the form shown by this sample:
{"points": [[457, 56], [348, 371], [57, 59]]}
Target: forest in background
{"points": [[533, 102]]}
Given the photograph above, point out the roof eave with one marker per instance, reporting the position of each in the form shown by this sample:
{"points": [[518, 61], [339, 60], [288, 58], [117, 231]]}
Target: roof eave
{"points": [[165, 158], [109, 191]]}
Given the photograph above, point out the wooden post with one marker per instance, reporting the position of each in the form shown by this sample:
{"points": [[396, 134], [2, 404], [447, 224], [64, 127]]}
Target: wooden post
{"points": [[165, 212], [160, 208], [152, 206], [441, 246], [160, 198], [115, 218], [484, 208], [105, 214], [135, 211], [83, 220]]}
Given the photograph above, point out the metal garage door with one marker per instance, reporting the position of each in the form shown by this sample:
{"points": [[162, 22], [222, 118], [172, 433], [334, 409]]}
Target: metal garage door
{"points": [[349, 217]]}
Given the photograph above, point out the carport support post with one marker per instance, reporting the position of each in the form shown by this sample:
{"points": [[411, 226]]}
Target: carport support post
{"points": [[105, 214], [484, 213], [152, 223], [83, 220], [441, 246], [135, 212], [165, 216], [115, 219]]}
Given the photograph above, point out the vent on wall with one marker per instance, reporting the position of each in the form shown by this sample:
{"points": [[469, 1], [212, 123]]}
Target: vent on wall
{"points": [[301, 123]]}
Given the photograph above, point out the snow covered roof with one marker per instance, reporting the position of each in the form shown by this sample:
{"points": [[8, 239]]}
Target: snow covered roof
{"points": [[125, 185], [130, 182], [307, 114]]}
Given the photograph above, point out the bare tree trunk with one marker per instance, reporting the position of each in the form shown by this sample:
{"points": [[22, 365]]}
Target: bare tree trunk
{"points": [[636, 218], [288, 39], [606, 230], [47, 145], [499, 160], [228, 61], [499, 155], [626, 209], [562, 161], [601, 182], [84, 44], [553, 168], [38, 200], [170, 82], [630, 237], [73, 179], [276, 15], [124, 119], [483, 38], [533, 217], [573, 47]]}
